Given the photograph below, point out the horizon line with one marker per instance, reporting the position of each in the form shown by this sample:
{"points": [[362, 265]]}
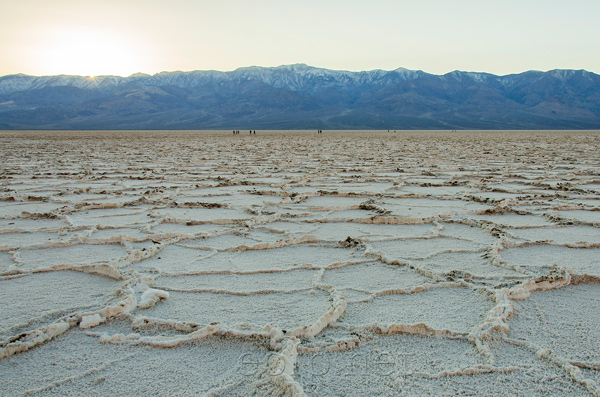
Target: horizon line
{"points": [[290, 65]]}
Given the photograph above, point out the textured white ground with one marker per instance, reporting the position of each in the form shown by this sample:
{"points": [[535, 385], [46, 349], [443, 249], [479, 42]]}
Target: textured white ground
{"points": [[292, 263]]}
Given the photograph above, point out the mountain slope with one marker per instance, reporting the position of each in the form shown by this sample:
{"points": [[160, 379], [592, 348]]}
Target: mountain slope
{"points": [[303, 97]]}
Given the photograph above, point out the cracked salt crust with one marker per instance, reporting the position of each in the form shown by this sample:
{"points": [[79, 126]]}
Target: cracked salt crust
{"points": [[290, 263]]}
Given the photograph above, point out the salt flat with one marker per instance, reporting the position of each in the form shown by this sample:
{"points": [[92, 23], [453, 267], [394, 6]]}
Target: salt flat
{"points": [[297, 263]]}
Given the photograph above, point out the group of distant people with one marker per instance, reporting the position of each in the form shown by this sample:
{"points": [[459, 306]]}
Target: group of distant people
{"points": [[253, 132]]}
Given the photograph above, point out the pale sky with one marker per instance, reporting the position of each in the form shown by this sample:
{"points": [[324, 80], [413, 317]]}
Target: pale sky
{"points": [[122, 37]]}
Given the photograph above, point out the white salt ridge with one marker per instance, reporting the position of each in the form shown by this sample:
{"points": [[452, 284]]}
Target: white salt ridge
{"points": [[304, 266], [91, 321], [151, 296]]}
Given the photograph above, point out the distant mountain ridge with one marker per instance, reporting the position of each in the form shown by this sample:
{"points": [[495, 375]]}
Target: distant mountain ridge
{"points": [[303, 97]]}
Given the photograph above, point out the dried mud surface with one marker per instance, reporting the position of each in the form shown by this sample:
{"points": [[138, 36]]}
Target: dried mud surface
{"points": [[297, 263]]}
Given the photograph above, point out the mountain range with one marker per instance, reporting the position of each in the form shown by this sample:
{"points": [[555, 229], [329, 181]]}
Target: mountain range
{"points": [[303, 97]]}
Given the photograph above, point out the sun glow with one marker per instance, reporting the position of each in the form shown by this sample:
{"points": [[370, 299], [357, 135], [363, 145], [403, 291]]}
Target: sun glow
{"points": [[89, 53]]}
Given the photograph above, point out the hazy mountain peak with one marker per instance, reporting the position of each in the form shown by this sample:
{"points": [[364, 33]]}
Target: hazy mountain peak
{"points": [[296, 66]]}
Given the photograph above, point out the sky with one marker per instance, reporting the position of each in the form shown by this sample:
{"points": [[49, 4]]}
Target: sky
{"points": [[122, 37]]}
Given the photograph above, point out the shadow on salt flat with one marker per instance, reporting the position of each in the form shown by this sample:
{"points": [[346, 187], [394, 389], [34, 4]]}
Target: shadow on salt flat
{"points": [[511, 220], [129, 198], [290, 229], [32, 225], [183, 230], [125, 233], [466, 232], [115, 218], [496, 196], [344, 188], [472, 263], [373, 277], [592, 374], [334, 232], [244, 283], [550, 379], [586, 217], [241, 239], [16, 209], [575, 235], [204, 215], [96, 199], [456, 309], [6, 262], [213, 192], [415, 365], [241, 199], [579, 260], [384, 365], [82, 366], [433, 191], [11, 241], [353, 295], [564, 320], [588, 203], [229, 241], [323, 203], [373, 232], [38, 299], [518, 187], [526, 381], [174, 259], [428, 207], [83, 254], [177, 259], [537, 207], [422, 248], [424, 180], [593, 187], [344, 215], [283, 310]]}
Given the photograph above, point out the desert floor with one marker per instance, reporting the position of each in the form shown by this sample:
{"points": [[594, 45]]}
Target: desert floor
{"points": [[282, 263]]}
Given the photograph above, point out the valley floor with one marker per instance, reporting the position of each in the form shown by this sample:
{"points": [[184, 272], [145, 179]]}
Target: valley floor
{"points": [[291, 263]]}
